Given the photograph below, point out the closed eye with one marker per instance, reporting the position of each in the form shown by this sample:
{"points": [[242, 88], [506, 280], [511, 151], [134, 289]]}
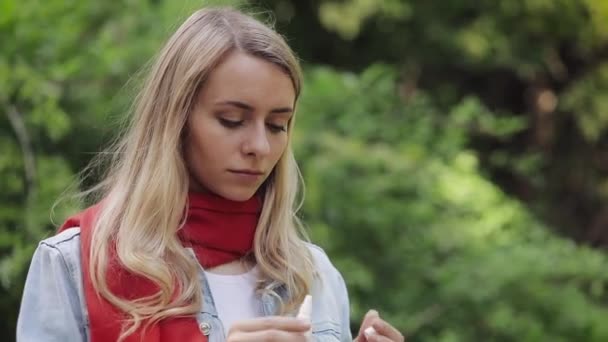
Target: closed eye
{"points": [[276, 128], [230, 123]]}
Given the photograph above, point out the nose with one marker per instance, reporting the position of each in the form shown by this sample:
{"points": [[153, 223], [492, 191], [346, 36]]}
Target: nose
{"points": [[256, 143]]}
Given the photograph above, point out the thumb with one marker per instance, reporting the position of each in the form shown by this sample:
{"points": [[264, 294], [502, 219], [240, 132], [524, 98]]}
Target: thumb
{"points": [[368, 320]]}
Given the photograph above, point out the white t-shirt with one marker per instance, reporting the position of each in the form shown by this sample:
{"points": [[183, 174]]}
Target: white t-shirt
{"points": [[234, 296]]}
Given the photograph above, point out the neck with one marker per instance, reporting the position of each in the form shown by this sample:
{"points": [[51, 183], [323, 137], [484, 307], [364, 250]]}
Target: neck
{"points": [[219, 230]]}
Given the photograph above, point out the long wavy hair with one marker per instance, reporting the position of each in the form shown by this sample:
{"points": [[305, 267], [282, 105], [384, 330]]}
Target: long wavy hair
{"points": [[145, 185]]}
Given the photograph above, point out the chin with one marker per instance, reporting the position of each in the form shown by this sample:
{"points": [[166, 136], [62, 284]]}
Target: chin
{"points": [[239, 195]]}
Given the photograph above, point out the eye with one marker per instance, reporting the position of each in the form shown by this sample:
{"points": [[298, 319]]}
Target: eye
{"points": [[230, 123], [276, 128]]}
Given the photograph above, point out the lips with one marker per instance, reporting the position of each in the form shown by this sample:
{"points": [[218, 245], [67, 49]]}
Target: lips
{"points": [[248, 172], [248, 177]]}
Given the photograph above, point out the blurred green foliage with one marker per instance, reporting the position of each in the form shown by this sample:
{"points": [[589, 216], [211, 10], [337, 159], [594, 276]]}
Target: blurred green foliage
{"points": [[404, 156], [539, 62], [398, 200]]}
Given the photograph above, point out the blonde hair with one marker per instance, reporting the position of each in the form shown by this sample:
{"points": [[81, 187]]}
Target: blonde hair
{"points": [[145, 187]]}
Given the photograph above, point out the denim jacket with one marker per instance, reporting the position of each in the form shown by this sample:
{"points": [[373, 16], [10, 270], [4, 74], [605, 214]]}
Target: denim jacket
{"points": [[53, 307]]}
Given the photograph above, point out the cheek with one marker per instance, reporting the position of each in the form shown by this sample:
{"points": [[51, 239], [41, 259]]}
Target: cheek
{"points": [[280, 147], [197, 148], [192, 154]]}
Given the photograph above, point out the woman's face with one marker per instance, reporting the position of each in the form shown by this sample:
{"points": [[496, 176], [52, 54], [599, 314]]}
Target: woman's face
{"points": [[238, 129]]}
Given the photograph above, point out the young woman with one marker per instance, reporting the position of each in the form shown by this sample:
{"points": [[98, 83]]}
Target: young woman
{"points": [[195, 236]]}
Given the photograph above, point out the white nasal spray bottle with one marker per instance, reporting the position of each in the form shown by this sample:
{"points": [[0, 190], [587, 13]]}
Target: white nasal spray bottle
{"points": [[369, 332], [304, 313]]}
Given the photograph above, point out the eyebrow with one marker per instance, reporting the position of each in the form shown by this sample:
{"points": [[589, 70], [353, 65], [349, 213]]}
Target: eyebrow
{"points": [[250, 108]]}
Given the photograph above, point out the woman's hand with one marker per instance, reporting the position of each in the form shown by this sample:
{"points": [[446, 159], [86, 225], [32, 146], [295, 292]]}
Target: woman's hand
{"points": [[384, 331], [272, 328]]}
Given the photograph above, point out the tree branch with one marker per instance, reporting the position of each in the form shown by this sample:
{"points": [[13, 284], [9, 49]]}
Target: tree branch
{"points": [[29, 161]]}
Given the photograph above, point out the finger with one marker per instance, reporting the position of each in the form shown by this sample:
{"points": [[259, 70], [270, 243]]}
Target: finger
{"points": [[272, 335], [385, 329], [378, 338], [290, 324], [370, 316]]}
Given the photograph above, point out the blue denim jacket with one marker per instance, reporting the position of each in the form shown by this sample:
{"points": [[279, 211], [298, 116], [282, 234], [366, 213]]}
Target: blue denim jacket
{"points": [[53, 306]]}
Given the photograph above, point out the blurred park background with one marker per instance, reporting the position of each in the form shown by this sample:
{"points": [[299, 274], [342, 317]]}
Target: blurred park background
{"points": [[455, 152]]}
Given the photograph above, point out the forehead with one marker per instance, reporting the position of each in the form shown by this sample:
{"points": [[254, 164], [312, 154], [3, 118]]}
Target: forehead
{"points": [[243, 77]]}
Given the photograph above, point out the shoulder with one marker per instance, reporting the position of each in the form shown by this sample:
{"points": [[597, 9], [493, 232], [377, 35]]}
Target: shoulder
{"points": [[53, 306], [67, 241], [65, 238], [63, 247], [320, 257], [324, 266]]}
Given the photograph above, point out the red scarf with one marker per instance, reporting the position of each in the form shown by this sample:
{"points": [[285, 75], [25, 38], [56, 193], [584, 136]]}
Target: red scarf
{"points": [[218, 230]]}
